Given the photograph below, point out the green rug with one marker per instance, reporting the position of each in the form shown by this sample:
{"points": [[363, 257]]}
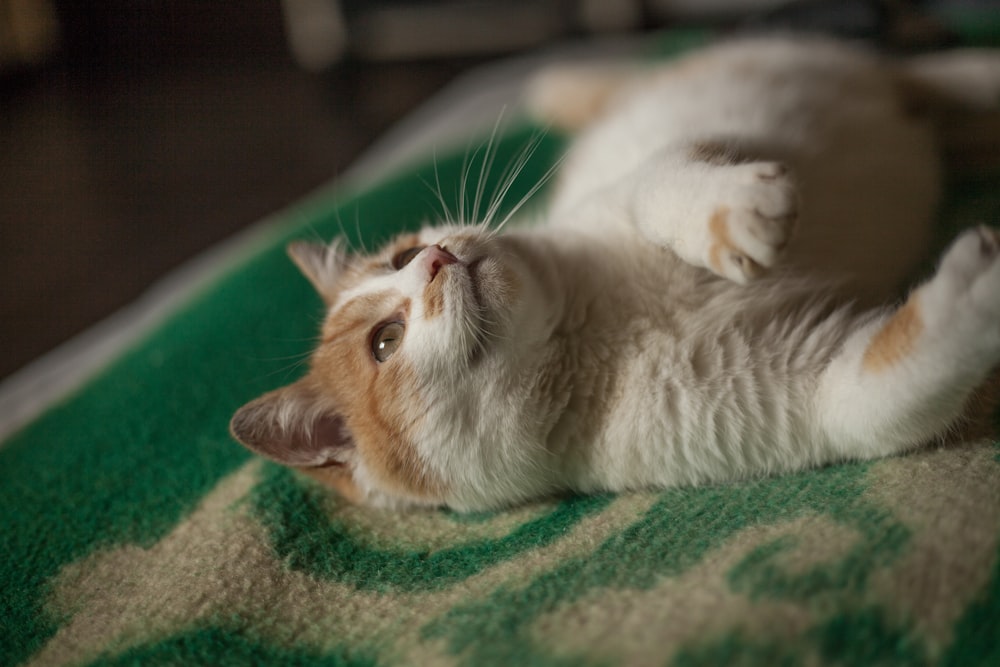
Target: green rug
{"points": [[135, 531]]}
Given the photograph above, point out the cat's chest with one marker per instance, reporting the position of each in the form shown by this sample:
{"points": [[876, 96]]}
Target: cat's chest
{"points": [[632, 289]]}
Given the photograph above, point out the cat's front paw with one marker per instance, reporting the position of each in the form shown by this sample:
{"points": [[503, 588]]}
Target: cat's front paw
{"points": [[966, 286], [754, 219], [951, 324]]}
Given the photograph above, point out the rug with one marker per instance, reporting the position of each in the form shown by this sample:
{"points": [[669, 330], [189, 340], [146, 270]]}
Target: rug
{"points": [[136, 531]]}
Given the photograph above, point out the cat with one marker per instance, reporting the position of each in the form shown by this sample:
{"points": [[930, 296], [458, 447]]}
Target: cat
{"points": [[699, 304]]}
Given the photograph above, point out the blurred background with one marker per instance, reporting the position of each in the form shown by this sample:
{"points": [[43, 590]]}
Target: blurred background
{"points": [[134, 134]]}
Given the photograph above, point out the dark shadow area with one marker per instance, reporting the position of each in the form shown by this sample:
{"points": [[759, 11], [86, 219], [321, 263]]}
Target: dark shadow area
{"points": [[158, 129]]}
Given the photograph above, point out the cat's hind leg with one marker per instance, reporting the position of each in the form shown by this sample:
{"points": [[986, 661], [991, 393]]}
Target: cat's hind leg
{"points": [[957, 80], [904, 378], [960, 91], [571, 96]]}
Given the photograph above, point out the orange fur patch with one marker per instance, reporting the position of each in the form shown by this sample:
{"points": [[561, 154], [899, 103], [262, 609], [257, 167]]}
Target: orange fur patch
{"points": [[585, 109], [721, 242], [896, 339], [434, 298], [386, 427], [376, 400], [338, 479], [572, 98]]}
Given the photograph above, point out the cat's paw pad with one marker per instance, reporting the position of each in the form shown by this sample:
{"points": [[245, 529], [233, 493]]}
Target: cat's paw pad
{"points": [[754, 221], [967, 283]]}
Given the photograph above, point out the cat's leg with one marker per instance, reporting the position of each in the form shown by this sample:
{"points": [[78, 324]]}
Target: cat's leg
{"points": [[571, 96], [716, 207], [904, 378], [961, 79], [960, 91]]}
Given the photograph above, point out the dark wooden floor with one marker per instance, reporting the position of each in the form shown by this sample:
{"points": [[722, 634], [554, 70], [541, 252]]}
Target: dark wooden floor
{"points": [[119, 162]]}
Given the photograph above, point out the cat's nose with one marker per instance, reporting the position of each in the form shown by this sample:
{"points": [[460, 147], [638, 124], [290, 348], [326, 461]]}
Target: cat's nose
{"points": [[433, 258]]}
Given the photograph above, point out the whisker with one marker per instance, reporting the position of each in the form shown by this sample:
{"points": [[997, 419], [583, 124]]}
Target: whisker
{"points": [[445, 213], [357, 230], [311, 231], [510, 176], [439, 192], [342, 233], [531, 192], [463, 183], [298, 360], [507, 179], [487, 164]]}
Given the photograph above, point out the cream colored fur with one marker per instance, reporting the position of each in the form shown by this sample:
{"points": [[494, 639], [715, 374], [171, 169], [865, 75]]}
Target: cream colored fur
{"points": [[689, 310]]}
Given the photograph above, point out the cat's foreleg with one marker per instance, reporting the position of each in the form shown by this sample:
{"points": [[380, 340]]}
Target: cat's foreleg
{"points": [[571, 96], [960, 91], [956, 80], [716, 207], [904, 378]]}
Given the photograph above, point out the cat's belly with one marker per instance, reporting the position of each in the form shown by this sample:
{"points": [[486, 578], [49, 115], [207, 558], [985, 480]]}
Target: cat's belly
{"points": [[706, 387]]}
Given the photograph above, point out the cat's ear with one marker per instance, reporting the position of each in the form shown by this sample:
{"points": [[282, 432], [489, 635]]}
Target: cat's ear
{"points": [[321, 264], [294, 426]]}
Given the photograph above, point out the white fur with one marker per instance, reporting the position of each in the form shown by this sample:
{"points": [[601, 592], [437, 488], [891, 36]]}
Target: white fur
{"points": [[604, 350], [697, 379]]}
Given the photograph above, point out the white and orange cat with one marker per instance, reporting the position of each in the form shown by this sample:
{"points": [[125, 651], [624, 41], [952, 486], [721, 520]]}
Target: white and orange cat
{"points": [[688, 312]]}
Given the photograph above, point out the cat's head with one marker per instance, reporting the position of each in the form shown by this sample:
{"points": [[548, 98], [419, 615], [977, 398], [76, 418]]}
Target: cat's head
{"points": [[420, 389]]}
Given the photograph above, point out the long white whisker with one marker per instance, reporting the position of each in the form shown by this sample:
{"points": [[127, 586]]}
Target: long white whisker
{"points": [[439, 200], [311, 230], [463, 184], [534, 189], [487, 164], [357, 230], [508, 177], [438, 192], [515, 169], [519, 164]]}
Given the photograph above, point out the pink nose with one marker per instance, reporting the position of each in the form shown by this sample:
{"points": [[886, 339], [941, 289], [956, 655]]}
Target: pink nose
{"points": [[434, 257]]}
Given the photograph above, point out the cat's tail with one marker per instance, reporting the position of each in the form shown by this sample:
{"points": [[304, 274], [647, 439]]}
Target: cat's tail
{"points": [[570, 96]]}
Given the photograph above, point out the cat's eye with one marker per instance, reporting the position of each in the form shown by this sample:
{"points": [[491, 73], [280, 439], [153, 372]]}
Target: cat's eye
{"points": [[401, 259], [386, 339]]}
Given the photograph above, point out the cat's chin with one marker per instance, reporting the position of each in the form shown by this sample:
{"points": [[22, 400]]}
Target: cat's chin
{"points": [[483, 288], [475, 281], [491, 291]]}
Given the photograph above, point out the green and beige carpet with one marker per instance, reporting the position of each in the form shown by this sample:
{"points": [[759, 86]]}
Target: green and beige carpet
{"points": [[133, 530]]}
